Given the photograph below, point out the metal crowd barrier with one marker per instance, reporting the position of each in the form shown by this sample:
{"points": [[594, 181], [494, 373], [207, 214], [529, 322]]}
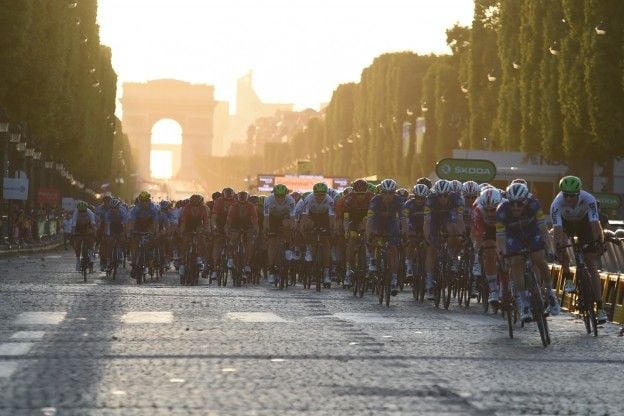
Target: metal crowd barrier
{"points": [[612, 280]]}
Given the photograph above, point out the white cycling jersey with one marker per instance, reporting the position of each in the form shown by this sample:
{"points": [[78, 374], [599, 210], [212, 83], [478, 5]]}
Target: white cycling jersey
{"points": [[299, 208], [586, 206], [284, 209], [311, 206]]}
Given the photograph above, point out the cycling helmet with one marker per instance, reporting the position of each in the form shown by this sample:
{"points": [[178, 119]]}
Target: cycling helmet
{"points": [[243, 196], [280, 190], [347, 191], [319, 188], [484, 185], [333, 193], [388, 185], [421, 190], [295, 195], [442, 186], [570, 184], [196, 200], [144, 196], [216, 195], [253, 199], [517, 192], [305, 194], [424, 181], [81, 205], [107, 195], [402, 192], [164, 204], [360, 186], [519, 180], [115, 203], [371, 187], [456, 186], [471, 189], [228, 193], [490, 198]]}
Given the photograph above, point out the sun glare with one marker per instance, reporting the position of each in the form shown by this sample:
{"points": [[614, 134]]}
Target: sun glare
{"points": [[161, 164], [166, 131]]}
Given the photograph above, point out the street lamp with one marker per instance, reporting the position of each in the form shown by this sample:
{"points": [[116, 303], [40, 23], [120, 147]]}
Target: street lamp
{"points": [[600, 29], [554, 48]]}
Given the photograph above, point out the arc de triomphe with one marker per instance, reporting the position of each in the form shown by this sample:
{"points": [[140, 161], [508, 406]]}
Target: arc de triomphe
{"points": [[191, 105]]}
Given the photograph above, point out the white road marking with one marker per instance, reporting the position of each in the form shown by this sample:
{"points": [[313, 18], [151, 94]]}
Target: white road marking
{"points": [[53, 257], [28, 335], [365, 318], [254, 317], [148, 317], [40, 318], [15, 348], [7, 368]]}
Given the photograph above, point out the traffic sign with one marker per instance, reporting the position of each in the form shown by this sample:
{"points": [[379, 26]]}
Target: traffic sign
{"points": [[478, 170]]}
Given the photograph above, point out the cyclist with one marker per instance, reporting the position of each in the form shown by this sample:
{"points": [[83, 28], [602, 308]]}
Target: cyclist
{"points": [[384, 214], [144, 218], [484, 237], [220, 210], [279, 213], [355, 212], [424, 181], [443, 210], [520, 225], [470, 193], [403, 193], [83, 229], [194, 219], [242, 219], [318, 217], [101, 213], [114, 221], [575, 212], [412, 225]]}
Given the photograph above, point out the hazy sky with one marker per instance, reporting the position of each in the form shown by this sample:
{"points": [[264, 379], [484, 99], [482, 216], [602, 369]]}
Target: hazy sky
{"points": [[298, 50]]}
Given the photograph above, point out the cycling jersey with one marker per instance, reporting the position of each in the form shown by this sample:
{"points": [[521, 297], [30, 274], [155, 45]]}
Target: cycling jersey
{"points": [[384, 217], [192, 217], [356, 208], [220, 210], [299, 208], [522, 230], [83, 221], [415, 215], [483, 221], [242, 215], [439, 213], [585, 208], [144, 217], [165, 219], [283, 209], [313, 207]]}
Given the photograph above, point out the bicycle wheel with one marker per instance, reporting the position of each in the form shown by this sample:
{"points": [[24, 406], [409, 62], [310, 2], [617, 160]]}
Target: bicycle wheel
{"points": [[537, 307]]}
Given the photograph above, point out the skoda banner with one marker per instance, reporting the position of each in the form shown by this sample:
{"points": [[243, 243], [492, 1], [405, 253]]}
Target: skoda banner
{"points": [[477, 170], [15, 188], [607, 201]]}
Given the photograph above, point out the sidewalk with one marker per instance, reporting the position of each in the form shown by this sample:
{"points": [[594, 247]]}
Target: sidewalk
{"points": [[14, 249]]}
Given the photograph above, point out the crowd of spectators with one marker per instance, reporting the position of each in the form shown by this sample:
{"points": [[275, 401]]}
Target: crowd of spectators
{"points": [[21, 225]]}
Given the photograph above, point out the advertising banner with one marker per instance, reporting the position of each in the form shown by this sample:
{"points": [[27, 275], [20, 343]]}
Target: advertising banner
{"points": [[15, 188], [477, 170], [48, 196]]}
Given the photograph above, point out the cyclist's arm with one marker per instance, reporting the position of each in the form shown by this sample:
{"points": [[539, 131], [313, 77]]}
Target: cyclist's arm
{"points": [[501, 238], [594, 219], [427, 223]]}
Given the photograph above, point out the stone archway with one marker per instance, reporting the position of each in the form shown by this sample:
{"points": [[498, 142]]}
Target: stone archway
{"points": [[190, 105]]}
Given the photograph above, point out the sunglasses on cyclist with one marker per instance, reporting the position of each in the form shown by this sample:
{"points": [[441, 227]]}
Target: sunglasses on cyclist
{"points": [[569, 195]]}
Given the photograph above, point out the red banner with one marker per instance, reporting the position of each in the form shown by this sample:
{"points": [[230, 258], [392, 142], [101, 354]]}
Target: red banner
{"points": [[48, 196]]}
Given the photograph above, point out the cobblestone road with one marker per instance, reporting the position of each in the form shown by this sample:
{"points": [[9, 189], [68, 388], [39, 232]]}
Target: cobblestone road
{"points": [[112, 348]]}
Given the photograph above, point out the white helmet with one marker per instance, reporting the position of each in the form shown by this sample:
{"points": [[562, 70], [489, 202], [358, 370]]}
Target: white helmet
{"points": [[519, 180], [421, 190], [517, 192], [388, 185], [471, 189], [490, 198], [484, 185], [442, 187], [456, 186]]}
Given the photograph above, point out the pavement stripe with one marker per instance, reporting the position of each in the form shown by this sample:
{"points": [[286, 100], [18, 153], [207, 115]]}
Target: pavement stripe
{"points": [[147, 317], [7, 368], [254, 317], [365, 318], [28, 335], [40, 318], [15, 348]]}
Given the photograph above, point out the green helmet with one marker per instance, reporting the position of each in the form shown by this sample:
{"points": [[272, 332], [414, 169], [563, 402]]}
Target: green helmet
{"points": [[280, 190], [320, 188], [81, 205], [570, 184], [371, 187]]}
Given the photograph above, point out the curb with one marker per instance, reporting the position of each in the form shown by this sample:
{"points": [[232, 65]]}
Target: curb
{"points": [[31, 250]]}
